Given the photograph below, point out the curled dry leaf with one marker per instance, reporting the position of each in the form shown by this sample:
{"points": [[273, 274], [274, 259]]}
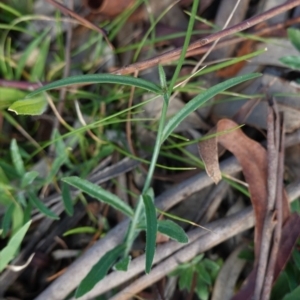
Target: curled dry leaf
{"points": [[253, 159]]}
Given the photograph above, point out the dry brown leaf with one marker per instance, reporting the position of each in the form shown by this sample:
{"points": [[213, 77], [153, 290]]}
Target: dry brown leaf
{"points": [[253, 159]]}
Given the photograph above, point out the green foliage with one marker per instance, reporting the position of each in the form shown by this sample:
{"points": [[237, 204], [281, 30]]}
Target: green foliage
{"points": [[83, 229], [203, 270], [293, 61], [34, 106], [100, 194], [10, 250], [199, 100], [99, 270], [172, 230], [99, 78], [151, 223], [20, 185], [67, 199], [123, 264]]}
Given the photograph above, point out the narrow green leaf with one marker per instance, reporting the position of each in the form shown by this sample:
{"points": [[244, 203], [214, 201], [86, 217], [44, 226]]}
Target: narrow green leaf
{"points": [[162, 79], [6, 221], [38, 70], [291, 61], [100, 194], [10, 95], [9, 252], [186, 279], [17, 218], [16, 158], [201, 289], [151, 231], [185, 44], [172, 230], [67, 199], [33, 107], [203, 274], [296, 258], [199, 100], [99, 78], [123, 264], [34, 200], [294, 36], [99, 271], [56, 165], [83, 229], [294, 295], [28, 178], [28, 51]]}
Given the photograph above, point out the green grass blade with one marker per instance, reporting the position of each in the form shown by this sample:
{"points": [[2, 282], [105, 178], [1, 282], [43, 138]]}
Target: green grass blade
{"points": [[10, 95], [16, 158], [99, 271], [294, 36], [6, 219], [83, 229], [100, 194], [67, 199], [9, 9], [28, 51], [99, 78], [8, 253], [199, 100], [151, 231], [38, 70], [172, 230], [185, 44], [158, 142], [34, 200]]}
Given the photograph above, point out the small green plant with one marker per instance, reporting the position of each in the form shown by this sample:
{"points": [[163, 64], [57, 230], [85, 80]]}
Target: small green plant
{"points": [[20, 187], [293, 61], [198, 274], [11, 249]]}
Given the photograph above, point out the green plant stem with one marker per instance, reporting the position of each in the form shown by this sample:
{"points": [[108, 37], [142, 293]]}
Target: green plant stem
{"points": [[158, 143]]}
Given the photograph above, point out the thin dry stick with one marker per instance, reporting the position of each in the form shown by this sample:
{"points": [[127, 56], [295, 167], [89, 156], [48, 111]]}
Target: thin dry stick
{"points": [[269, 223], [82, 121], [174, 54], [82, 20], [279, 212]]}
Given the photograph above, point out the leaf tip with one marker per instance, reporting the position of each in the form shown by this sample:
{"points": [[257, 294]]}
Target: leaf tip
{"points": [[10, 109]]}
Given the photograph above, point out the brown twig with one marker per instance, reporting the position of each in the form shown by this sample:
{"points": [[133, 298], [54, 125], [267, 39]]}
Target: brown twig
{"points": [[82, 20], [174, 54], [266, 291]]}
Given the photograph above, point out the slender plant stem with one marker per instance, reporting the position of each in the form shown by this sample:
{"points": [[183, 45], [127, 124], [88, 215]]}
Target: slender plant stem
{"points": [[158, 143]]}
